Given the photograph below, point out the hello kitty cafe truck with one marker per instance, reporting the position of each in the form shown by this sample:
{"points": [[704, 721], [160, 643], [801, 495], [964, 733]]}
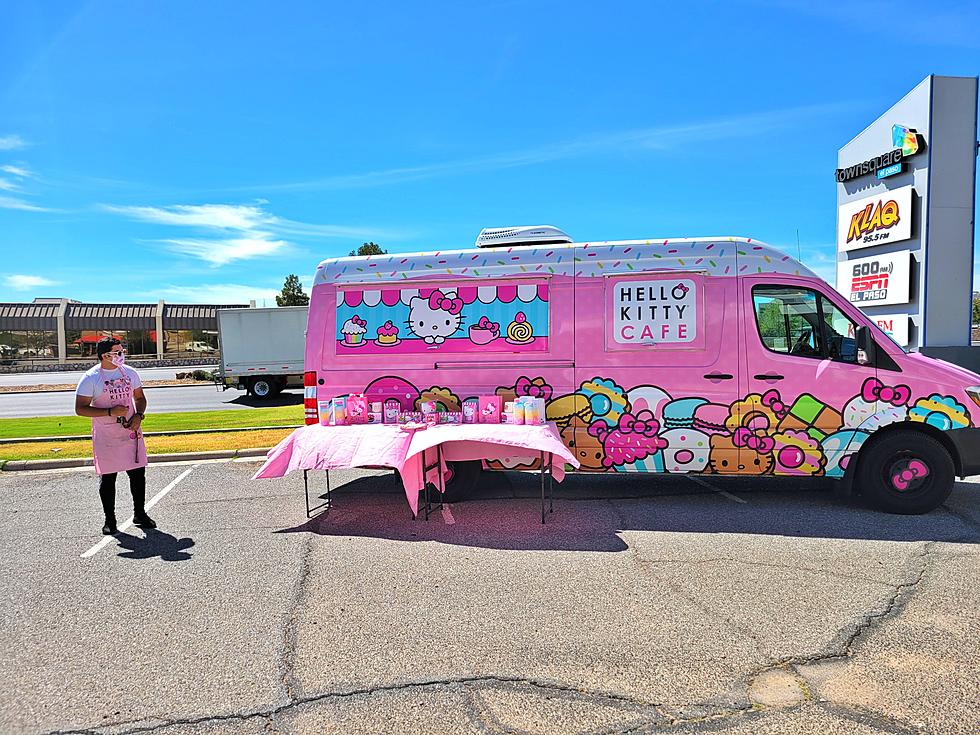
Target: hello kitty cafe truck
{"points": [[717, 356]]}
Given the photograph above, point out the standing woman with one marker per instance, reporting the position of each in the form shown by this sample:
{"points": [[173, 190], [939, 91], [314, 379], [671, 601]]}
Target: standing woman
{"points": [[111, 394]]}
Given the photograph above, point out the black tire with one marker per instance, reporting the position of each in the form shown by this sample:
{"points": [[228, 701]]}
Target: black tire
{"points": [[464, 480], [905, 472], [262, 388]]}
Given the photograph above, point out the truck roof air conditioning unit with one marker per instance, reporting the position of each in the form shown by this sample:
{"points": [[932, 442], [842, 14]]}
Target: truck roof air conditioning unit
{"points": [[496, 237]]}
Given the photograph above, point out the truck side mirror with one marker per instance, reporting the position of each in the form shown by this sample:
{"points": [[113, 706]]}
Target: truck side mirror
{"points": [[865, 346]]}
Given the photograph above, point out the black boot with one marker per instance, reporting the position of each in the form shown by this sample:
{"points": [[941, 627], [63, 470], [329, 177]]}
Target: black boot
{"points": [[142, 520], [107, 494], [137, 485]]}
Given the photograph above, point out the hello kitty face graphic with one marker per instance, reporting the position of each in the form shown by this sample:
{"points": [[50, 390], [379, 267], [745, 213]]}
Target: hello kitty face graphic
{"points": [[435, 318]]}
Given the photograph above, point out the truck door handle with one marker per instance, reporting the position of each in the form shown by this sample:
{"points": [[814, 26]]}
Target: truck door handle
{"points": [[719, 376], [768, 376]]}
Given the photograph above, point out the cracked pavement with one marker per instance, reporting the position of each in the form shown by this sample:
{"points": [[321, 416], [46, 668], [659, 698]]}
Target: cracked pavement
{"points": [[645, 604]]}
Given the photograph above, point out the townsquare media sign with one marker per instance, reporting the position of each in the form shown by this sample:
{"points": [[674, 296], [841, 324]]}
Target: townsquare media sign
{"points": [[906, 142], [882, 218], [876, 281]]}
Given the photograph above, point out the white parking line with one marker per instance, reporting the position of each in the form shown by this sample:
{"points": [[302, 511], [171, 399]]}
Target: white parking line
{"points": [[129, 522], [711, 487]]}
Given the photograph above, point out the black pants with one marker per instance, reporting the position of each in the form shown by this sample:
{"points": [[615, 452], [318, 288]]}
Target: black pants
{"points": [[137, 485]]}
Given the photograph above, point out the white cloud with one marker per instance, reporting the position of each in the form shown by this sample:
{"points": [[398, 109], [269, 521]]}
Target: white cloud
{"points": [[220, 293], [230, 232], [221, 252], [11, 142], [18, 171], [22, 282], [8, 185], [15, 203]]}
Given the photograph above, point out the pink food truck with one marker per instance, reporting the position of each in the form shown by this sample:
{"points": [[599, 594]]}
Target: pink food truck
{"points": [[714, 356]]}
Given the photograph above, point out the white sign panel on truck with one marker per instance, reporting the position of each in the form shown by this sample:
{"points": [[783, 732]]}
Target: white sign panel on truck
{"points": [[882, 218], [876, 281]]}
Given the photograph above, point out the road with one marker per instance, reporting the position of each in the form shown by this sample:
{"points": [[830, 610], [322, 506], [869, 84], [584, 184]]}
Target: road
{"points": [[644, 605], [159, 400], [168, 373]]}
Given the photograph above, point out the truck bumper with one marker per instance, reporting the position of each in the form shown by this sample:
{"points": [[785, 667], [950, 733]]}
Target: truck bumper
{"points": [[967, 445]]}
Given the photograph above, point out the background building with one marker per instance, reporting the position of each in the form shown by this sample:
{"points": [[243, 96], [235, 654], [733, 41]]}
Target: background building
{"points": [[64, 331], [906, 188]]}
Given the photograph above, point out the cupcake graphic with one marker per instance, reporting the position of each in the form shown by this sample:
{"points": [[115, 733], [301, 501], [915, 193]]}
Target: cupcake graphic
{"points": [[387, 334], [353, 331], [519, 331]]}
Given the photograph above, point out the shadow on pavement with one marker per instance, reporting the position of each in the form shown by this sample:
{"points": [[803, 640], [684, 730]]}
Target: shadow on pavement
{"points": [[591, 511], [286, 398], [156, 543]]}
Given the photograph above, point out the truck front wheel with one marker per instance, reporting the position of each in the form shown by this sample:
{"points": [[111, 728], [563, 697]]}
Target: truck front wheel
{"points": [[905, 472]]}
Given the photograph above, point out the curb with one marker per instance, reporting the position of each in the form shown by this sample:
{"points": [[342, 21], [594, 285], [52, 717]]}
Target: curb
{"points": [[72, 390], [181, 432], [58, 464]]}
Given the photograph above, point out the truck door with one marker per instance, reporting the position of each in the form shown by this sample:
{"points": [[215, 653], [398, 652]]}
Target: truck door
{"points": [[657, 372], [809, 402]]}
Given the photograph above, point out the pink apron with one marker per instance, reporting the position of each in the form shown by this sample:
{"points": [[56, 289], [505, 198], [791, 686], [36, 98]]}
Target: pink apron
{"points": [[116, 448]]}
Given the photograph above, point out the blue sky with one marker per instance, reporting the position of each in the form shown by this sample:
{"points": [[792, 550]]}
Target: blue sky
{"points": [[202, 151]]}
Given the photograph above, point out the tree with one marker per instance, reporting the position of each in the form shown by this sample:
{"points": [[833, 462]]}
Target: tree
{"points": [[369, 248], [976, 307], [292, 293]]}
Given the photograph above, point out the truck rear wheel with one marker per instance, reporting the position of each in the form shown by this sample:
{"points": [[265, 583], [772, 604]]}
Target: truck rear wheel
{"points": [[905, 472], [464, 479], [264, 387]]}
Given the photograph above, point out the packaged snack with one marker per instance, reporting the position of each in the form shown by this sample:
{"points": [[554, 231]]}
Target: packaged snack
{"points": [[489, 410], [431, 417], [471, 411], [507, 415], [374, 417], [392, 410], [357, 409], [451, 417], [338, 411], [376, 407], [534, 411], [518, 412]]}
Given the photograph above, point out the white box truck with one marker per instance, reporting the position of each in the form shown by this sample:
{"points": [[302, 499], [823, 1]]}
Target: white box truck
{"points": [[262, 350]]}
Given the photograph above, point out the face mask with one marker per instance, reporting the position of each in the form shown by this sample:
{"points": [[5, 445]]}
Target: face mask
{"points": [[118, 360]]}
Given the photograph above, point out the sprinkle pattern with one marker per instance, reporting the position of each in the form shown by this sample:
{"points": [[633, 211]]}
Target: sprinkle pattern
{"points": [[586, 260]]}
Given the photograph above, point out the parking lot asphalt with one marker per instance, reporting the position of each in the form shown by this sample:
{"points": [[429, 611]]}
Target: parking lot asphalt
{"points": [[645, 604]]}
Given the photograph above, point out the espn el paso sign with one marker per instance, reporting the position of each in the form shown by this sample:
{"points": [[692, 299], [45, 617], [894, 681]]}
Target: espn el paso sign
{"points": [[882, 218], [876, 281]]}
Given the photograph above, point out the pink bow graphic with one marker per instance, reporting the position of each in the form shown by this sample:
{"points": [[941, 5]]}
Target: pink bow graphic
{"points": [[772, 400], [744, 437], [485, 323], [903, 479], [527, 387], [357, 320], [629, 424], [874, 390], [438, 300]]}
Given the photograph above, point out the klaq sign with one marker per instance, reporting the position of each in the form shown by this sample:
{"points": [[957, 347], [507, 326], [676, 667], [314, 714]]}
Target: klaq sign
{"points": [[874, 220]]}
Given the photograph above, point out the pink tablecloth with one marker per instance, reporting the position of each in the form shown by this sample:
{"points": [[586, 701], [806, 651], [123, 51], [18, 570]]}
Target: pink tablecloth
{"points": [[319, 447]]}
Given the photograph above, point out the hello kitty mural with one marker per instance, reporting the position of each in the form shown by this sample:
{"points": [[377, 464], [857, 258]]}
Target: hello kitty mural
{"points": [[493, 316]]}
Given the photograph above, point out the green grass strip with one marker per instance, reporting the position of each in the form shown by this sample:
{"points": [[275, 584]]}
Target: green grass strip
{"points": [[81, 426]]}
